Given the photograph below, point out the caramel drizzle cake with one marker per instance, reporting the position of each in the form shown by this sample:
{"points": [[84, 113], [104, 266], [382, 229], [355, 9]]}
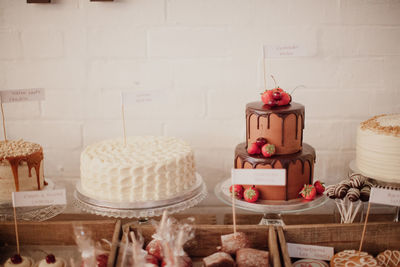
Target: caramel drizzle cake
{"points": [[18, 161]]}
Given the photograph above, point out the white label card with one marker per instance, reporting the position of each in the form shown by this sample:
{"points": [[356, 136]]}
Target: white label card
{"points": [[259, 176], [385, 196], [286, 50], [39, 198], [20, 95], [142, 97], [310, 251]]}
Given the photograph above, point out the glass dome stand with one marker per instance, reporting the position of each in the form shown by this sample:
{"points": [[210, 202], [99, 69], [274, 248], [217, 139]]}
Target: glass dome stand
{"points": [[141, 210], [272, 210]]}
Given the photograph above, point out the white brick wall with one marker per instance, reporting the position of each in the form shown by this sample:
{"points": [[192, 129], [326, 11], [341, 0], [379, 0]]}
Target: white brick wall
{"points": [[205, 54]]}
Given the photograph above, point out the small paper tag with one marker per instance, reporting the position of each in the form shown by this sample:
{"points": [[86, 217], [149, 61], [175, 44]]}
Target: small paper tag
{"points": [[259, 176], [39, 198], [287, 50], [20, 95], [142, 97], [385, 196], [310, 251]]}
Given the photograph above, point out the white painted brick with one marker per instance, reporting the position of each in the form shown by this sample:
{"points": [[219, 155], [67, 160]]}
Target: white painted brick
{"points": [[192, 12], [222, 104], [22, 110], [61, 163], [62, 105], [138, 12], [42, 44], [75, 42], [95, 131], [157, 75], [65, 135], [188, 42], [332, 103], [215, 73], [121, 42], [311, 72], [211, 134], [114, 73], [49, 74], [332, 167], [391, 72], [361, 72], [385, 101], [331, 41], [10, 44], [313, 12], [380, 41], [370, 12]]}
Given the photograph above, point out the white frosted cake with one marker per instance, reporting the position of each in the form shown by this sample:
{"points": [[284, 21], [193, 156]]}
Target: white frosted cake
{"points": [[21, 167], [378, 148], [147, 168]]}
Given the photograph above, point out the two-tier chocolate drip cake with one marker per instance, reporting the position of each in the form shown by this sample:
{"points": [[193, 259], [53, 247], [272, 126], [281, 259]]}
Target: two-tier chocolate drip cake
{"points": [[279, 123]]}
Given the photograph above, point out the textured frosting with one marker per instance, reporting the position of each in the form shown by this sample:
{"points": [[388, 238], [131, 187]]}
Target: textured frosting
{"points": [[147, 168], [26, 262], [353, 258], [378, 148], [21, 167]]}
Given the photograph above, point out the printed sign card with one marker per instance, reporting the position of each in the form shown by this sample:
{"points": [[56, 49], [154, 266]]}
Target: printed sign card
{"points": [[39, 198], [20, 95], [287, 50], [259, 176], [310, 251], [385, 196]]}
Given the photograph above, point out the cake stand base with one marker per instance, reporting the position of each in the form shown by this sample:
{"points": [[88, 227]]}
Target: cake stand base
{"points": [[142, 210], [271, 209]]}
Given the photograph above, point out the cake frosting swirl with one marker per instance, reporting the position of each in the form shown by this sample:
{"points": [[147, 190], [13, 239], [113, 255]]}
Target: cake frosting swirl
{"points": [[146, 168], [378, 148]]}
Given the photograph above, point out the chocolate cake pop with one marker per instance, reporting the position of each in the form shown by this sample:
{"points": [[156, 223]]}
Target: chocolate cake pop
{"points": [[365, 192], [341, 190], [330, 191], [353, 194]]}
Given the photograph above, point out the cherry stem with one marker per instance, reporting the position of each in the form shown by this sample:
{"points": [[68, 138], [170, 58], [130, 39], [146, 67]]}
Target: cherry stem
{"points": [[296, 88], [272, 76]]}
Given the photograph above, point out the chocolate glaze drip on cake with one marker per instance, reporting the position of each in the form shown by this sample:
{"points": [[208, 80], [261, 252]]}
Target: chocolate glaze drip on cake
{"points": [[259, 109]]}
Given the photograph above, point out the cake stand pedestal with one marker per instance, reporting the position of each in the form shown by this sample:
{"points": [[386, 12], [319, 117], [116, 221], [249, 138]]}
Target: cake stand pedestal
{"points": [[271, 209], [141, 210], [37, 214], [354, 170]]}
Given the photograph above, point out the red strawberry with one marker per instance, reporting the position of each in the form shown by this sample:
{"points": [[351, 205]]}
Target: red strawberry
{"points": [[253, 149], [268, 150], [267, 97], [251, 194], [155, 248], [319, 187], [308, 192], [237, 191], [151, 259], [102, 260]]}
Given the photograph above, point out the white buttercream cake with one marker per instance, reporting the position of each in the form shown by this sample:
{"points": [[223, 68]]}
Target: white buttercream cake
{"points": [[378, 148], [147, 168]]}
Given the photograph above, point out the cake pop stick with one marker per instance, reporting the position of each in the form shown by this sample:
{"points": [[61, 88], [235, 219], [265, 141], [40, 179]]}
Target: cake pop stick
{"points": [[340, 210], [356, 211]]}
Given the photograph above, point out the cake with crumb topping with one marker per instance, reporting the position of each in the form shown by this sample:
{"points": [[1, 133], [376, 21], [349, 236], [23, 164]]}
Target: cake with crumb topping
{"points": [[378, 148], [21, 167], [146, 168]]}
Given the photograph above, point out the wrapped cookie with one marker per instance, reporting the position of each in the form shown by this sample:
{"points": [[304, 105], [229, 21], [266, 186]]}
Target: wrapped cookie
{"points": [[232, 242], [219, 259], [250, 257]]}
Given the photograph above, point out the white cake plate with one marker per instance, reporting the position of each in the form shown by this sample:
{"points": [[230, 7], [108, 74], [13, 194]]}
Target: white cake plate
{"points": [[38, 214], [187, 199], [268, 207]]}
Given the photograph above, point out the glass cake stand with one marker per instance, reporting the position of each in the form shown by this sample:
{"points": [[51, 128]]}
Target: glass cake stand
{"points": [[187, 199], [38, 214], [353, 169], [270, 208]]}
